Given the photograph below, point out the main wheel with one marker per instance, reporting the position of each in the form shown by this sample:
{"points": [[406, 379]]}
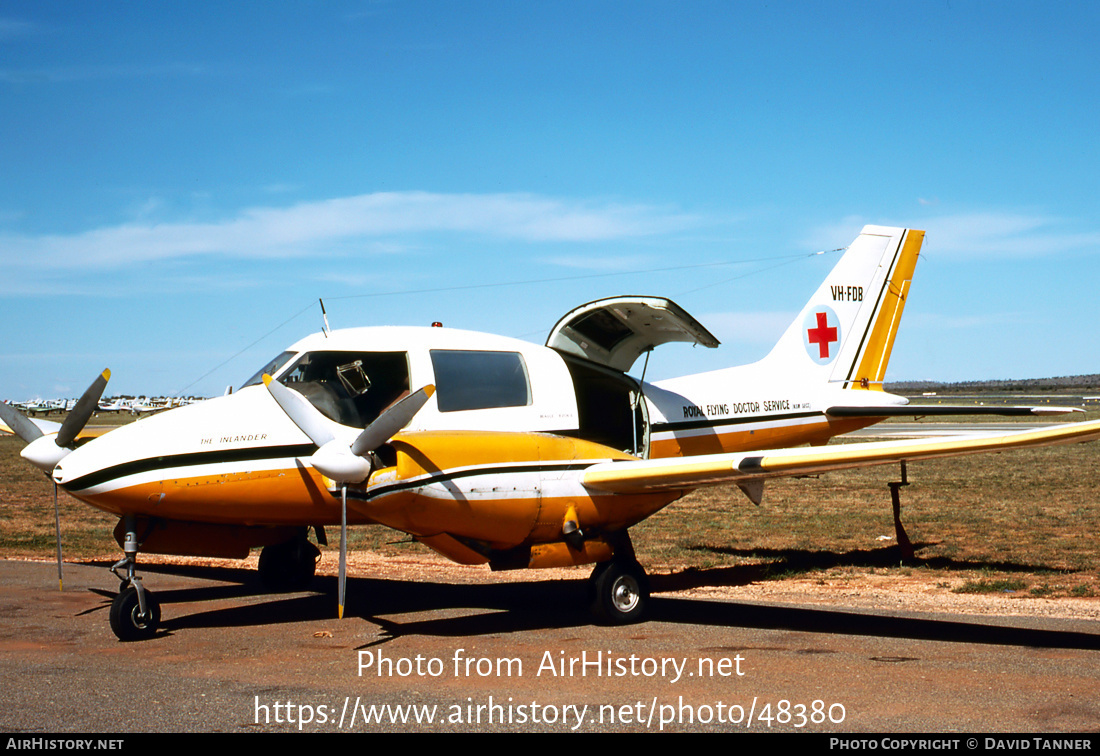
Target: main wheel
{"points": [[127, 621], [288, 566], [619, 592]]}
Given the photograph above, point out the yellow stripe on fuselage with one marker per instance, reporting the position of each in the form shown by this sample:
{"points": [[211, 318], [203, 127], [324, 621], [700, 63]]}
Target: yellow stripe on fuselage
{"points": [[295, 496]]}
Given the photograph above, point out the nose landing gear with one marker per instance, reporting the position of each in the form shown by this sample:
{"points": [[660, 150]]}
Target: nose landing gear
{"points": [[135, 613]]}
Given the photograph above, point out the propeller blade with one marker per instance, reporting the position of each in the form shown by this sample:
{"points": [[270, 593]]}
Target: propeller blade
{"points": [[301, 412], [342, 584], [20, 424], [386, 425], [83, 410]]}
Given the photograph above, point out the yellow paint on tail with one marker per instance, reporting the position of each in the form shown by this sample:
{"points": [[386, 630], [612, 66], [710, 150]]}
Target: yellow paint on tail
{"points": [[872, 368]]}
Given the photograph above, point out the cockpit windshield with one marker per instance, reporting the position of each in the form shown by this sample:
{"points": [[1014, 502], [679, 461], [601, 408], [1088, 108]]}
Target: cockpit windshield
{"points": [[270, 369], [351, 388]]}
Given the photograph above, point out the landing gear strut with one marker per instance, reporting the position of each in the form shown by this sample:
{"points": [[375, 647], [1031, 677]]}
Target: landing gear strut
{"points": [[135, 613], [618, 590], [904, 544]]}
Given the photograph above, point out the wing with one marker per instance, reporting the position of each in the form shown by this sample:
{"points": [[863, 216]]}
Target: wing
{"points": [[46, 427], [940, 410], [749, 469]]}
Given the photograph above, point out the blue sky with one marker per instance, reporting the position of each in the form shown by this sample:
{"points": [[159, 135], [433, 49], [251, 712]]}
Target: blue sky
{"points": [[180, 182]]}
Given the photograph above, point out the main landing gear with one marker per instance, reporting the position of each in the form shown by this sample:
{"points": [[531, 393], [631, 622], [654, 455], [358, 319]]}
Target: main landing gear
{"points": [[618, 590], [135, 613], [289, 566], [905, 546]]}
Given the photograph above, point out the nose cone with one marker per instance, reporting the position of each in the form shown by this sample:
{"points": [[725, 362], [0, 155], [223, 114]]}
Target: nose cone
{"points": [[59, 471], [166, 444], [81, 467]]}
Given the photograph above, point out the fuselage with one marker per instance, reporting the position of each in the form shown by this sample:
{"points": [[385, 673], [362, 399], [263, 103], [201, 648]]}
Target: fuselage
{"points": [[240, 459]]}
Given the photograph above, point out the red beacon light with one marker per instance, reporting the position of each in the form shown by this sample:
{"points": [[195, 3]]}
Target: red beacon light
{"points": [[436, 324]]}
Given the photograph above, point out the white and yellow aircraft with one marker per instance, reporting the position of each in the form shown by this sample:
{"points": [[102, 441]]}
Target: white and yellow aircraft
{"points": [[493, 450]]}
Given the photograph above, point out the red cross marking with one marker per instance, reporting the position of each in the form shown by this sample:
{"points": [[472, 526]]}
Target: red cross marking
{"points": [[823, 336]]}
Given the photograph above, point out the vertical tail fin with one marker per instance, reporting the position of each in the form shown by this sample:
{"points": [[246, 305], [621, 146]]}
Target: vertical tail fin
{"points": [[846, 331]]}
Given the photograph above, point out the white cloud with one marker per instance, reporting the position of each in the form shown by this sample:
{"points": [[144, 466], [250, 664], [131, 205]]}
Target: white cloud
{"points": [[975, 235], [1006, 235], [938, 322], [835, 235], [315, 227], [748, 327], [612, 264]]}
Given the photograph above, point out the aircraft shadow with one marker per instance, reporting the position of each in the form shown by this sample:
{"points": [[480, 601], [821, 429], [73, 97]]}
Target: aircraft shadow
{"points": [[789, 562], [237, 582], [220, 573], [487, 608], [495, 608], [860, 622]]}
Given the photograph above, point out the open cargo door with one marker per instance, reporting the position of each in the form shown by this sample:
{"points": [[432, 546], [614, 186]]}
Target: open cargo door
{"points": [[614, 332]]}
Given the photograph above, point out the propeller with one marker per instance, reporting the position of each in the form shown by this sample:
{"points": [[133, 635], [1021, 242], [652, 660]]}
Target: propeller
{"points": [[44, 450], [335, 458]]}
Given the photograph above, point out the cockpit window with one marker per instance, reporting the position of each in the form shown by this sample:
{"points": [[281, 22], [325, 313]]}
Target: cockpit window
{"points": [[351, 388], [469, 380], [270, 369]]}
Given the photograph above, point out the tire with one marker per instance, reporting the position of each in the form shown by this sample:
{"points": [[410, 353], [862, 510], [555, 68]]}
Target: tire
{"points": [[126, 620], [288, 566], [619, 593]]}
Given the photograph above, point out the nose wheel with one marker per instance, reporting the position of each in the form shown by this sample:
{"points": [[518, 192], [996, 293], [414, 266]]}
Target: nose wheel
{"points": [[131, 621]]}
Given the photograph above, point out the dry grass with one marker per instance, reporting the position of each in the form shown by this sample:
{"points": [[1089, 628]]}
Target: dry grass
{"points": [[1029, 516], [27, 514], [1023, 521]]}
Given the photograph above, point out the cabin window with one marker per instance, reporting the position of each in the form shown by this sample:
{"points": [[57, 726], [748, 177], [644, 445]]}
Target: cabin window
{"points": [[603, 329], [468, 380]]}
